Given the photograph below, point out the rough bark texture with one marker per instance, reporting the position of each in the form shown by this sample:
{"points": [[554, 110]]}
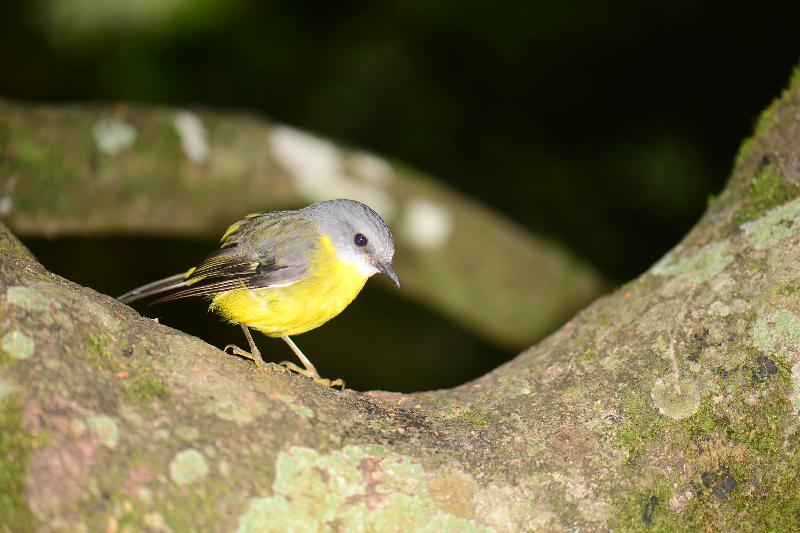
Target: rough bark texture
{"points": [[165, 172], [669, 405]]}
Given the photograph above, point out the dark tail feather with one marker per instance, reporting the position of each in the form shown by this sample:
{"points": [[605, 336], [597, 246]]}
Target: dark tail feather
{"points": [[157, 287]]}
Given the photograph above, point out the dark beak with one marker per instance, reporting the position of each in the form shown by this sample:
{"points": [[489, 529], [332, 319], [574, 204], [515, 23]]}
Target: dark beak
{"points": [[386, 268]]}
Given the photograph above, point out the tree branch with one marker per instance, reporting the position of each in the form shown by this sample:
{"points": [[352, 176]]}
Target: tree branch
{"points": [[111, 420]]}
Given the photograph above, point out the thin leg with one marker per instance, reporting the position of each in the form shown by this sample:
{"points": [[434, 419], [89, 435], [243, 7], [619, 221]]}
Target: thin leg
{"points": [[254, 355], [310, 370]]}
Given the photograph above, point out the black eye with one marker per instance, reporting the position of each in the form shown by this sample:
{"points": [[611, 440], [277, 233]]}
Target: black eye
{"points": [[360, 240]]}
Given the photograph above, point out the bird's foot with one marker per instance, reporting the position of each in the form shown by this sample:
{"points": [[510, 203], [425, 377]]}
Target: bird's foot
{"points": [[325, 382], [255, 357]]}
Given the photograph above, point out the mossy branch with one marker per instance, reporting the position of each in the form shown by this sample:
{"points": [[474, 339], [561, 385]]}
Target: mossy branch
{"points": [[669, 405]]}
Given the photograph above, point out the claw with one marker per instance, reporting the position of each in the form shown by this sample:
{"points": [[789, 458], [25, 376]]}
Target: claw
{"points": [[325, 382], [235, 350]]}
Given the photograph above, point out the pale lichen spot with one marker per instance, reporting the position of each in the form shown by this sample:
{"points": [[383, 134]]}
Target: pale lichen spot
{"points": [[723, 284], [302, 410], [777, 224], [779, 333], [612, 361], [187, 433], [312, 162], [367, 488], [703, 265], [154, 521], [131, 415], [676, 398], [6, 202], [18, 345], [371, 168], [426, 224], [660, 345], [29, 298], [241, 409], [7, 388], [193, 136], [188, 466], [719, 308], [52, 364], [99, 315], [114, 135], [106, 430], [145, 496], [317, 169], [77, 426], [6, 206]]}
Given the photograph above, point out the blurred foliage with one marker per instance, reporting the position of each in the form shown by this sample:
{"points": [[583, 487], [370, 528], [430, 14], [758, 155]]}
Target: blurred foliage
{"points": [[606, 126]]}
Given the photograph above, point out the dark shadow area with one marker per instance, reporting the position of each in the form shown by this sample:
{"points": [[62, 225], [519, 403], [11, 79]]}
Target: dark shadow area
{"points": [[381, 341]]}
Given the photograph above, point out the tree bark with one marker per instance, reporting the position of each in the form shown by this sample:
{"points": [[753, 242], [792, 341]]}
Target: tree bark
{"points": [[671, 404], [163, 171]]}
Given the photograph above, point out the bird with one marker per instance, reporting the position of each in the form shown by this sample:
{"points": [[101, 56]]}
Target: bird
{"points": [[283, 273]]}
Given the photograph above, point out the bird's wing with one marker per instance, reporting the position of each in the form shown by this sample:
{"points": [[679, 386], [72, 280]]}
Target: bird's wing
{"points": [[259, 252]]}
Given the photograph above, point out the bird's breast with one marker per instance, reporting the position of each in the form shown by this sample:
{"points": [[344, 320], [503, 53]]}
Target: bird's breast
{"points": [[328, 286]]}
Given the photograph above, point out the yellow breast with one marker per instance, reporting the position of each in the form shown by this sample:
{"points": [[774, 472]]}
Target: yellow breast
{"points": [[327, 288]]}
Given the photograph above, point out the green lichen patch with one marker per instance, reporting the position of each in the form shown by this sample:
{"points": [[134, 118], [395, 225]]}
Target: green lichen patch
{"points": [[364, 488], [699, 267], [766, 190], [647, 509], [676, 398], [18, 345], [143, 390], [750, 478], [15, 446], [474, 417], [104, 427], [777, 224], [701, 424], [29, 298], [100, 352], [778, 333], [188, 466], [641, 425]]}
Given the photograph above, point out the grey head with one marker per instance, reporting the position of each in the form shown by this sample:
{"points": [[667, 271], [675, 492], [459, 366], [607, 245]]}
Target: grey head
{"points": [[359, 235]]}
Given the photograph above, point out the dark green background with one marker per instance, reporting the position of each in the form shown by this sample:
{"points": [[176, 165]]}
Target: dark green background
{"points": [[603, 125]]}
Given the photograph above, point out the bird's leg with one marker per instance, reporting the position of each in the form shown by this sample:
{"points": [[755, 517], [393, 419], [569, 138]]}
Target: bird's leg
{"points": [[254, 355], [309, 370]]}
